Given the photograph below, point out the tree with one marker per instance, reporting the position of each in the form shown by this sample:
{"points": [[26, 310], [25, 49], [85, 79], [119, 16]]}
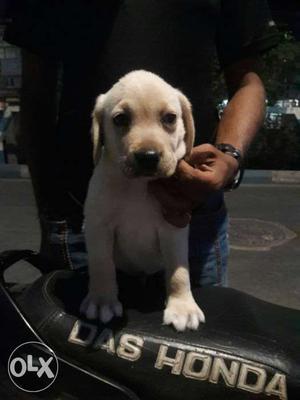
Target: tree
{"points": [[279, 71], [280, 67]]}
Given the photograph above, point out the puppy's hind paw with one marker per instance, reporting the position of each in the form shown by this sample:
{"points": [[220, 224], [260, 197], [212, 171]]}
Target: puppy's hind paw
{"points": [[105, 311]]}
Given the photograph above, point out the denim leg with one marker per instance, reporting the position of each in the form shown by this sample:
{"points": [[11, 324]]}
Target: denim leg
{"points": [[208, 247], [62, 245]]}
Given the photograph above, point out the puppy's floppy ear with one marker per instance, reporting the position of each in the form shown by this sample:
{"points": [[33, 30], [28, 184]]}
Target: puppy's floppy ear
{"points": [[188, 122], [96, 128]]}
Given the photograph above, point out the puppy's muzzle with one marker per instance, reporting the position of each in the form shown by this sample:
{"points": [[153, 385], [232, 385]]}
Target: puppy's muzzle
{"points": [[146, 162]]}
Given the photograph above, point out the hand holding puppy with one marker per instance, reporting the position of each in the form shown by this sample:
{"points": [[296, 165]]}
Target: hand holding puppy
{"points": [[206, 170]]}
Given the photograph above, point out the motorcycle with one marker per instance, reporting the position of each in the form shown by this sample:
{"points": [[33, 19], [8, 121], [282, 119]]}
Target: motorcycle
{"points": [[247, 349]]}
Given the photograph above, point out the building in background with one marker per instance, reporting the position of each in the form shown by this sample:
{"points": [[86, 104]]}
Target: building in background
{"points": [[10, 69], [10, 89], [282, 112]]}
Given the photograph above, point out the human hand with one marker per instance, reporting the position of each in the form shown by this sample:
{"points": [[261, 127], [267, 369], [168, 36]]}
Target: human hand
{"points": [[206, 170]]}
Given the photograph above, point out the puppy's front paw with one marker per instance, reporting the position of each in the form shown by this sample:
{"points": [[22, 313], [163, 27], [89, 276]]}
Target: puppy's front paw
{"points": [[99, 308], [183, 313]]}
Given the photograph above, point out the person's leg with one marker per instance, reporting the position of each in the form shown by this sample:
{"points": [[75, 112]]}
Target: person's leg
{"points": [[58, 151], [39, 103], [55, 134], [209, 249], [72, 136], [73, 163], [38, 120]]}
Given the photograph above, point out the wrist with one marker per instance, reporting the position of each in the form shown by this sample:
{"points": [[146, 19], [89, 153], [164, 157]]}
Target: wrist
{"points": [[235, 160], [233, 166]]}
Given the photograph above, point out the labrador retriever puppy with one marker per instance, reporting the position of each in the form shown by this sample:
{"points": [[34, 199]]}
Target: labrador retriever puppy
{"points": [[146, 127]]}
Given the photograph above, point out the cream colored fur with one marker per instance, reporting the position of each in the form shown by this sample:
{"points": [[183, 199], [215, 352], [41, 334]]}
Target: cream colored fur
{"points": [[124, 225]]}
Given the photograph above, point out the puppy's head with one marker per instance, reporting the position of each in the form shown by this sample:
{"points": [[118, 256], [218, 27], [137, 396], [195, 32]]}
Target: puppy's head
{"points": [[147, 125]]}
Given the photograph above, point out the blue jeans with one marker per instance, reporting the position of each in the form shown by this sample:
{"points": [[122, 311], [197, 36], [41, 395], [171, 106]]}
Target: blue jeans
{"points": [[208, 243]]}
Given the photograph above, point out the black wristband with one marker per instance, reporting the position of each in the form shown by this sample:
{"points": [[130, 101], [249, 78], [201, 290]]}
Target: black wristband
{"points": [[235, 153]]}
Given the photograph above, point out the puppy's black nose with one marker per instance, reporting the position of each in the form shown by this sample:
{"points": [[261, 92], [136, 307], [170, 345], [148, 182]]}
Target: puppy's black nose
{"points": [[147, 160]]}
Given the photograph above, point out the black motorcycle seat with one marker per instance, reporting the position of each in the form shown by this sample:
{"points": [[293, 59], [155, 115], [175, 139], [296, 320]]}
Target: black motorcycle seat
{"points": [[247, 349]]}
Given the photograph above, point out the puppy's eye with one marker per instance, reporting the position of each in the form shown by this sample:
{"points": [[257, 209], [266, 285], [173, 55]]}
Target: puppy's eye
{"points": [[121, 120], [169, 118]]}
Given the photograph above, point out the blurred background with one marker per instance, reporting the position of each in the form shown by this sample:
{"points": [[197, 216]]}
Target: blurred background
{"points": [[277, 147]]}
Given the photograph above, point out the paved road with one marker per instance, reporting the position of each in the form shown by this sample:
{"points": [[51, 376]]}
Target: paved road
{"points": [[272, 275]]}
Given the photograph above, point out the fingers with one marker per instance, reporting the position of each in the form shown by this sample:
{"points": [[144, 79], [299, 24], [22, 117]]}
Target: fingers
{"points": [[193, 180], [186, 172], [202, 154], [200, 176]]}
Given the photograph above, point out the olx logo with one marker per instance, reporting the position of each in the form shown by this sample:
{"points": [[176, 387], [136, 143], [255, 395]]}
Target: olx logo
{"points": [[33, 367]]}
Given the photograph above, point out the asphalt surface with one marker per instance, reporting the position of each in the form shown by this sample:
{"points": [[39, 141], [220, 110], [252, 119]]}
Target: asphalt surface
{"points": [[272, 275]]}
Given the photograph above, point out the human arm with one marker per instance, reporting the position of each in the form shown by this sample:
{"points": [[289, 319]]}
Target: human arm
{"points": [[207, 169], [245, 112]]}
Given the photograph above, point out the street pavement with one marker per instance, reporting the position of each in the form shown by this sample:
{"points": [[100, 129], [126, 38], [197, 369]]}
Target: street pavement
{"points": [[271, 274]]}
